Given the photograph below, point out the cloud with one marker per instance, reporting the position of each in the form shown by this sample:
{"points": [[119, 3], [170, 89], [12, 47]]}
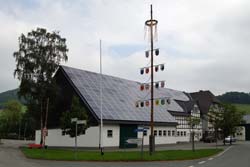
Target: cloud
{"points": [[203, 43]]}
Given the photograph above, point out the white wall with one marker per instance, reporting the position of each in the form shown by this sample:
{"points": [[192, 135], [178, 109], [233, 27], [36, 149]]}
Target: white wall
{"points": [[89, 139], [183, 138], [115, 140], [187, 137], [240, 133], [160, 139]]}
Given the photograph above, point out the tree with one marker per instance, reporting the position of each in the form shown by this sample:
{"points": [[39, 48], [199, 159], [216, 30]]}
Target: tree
{"points": [[77, 111], [39, 56], [226, 118], [215, 117], [10, 117], [1, 127], [231, 119], [192, 122]]}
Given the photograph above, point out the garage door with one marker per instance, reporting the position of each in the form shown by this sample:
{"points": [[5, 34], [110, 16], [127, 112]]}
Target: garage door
{"points": [[127, 132], [247, 132]]}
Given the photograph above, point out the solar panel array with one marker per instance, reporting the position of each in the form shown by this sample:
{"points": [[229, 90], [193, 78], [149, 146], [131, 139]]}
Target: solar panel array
{"points": [[120, 95]]}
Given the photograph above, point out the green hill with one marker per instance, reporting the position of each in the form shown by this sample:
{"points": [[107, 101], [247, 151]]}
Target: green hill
{"points": [[235, 97], [243, 107], [240, 99], [8, 95]]}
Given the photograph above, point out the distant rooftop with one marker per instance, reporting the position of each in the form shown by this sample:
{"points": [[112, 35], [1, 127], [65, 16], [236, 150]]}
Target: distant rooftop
{"points": [[247, 118], [204, 100]]}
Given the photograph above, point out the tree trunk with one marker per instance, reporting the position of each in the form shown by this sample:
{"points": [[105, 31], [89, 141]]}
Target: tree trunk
{"points": [[47, 112], [216, 137], [45, 121], [193, 149], [41, 122]]}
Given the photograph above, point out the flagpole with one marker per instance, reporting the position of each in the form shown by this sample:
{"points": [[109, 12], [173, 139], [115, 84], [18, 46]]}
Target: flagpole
{"points": [[101, 126]]}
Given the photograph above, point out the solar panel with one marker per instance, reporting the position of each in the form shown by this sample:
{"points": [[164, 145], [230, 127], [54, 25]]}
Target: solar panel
{"points": [[120, 95]]}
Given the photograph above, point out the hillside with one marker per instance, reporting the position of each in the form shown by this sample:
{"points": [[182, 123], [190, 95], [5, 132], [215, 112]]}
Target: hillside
{"points": [[243, 107], [235, 97], [8, 95], [240, 99]]}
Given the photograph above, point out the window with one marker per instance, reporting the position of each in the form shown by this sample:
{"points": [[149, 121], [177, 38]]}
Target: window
{"points": [[173, 133], [169, 133], [164, 133], [196, 109], [178, 133], [110, 133], [185, 133], [155, 132], [145, 133], [160, 133], [181, 133]]}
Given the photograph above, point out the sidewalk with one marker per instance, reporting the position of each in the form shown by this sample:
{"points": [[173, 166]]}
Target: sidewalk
{"points": [[14, 143]]}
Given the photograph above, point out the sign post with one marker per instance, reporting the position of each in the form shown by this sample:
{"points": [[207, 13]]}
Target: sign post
{"points": [[77, 122], [143, 129]]}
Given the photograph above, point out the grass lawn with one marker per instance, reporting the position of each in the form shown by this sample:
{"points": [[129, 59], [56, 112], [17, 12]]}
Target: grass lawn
{"points": [[243, 107], [58, 154]]}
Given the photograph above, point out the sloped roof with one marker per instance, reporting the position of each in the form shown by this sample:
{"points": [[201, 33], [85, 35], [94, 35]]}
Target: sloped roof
{"points": [[186, 105], [204, 100], [247, 119], [119, 97]]}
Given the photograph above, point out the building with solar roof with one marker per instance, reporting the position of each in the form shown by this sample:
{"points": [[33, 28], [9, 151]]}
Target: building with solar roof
{"points": [[121, 117]]}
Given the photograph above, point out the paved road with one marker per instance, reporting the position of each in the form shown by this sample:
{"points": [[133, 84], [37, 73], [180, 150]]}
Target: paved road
{"points": [[237, 155]]}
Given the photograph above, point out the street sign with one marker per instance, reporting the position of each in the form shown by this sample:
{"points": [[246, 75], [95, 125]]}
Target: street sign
{"points": [[74, 119], [141, 129], [81, 122], [134, 141]]}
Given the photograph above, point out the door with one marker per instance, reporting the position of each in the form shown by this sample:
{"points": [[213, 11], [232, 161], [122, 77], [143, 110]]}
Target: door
{"points": [[127, 132], [247, 131]]}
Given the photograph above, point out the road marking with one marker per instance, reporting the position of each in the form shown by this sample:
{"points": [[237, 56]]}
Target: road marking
{"points": [[202, 162], [224, 151]]}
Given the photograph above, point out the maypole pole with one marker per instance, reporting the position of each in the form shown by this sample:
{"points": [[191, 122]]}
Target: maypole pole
{"points": [[151, 24], [152, 30]]}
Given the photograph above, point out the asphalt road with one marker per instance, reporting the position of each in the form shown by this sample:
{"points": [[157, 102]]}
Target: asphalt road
{"points": [[237, 155]]}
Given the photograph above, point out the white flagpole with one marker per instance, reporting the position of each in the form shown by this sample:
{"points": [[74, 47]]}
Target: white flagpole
{"points": [[101, 128]]}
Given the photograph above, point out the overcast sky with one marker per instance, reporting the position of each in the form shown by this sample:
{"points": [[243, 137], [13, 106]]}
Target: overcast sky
{"points": [[204, 43]]}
